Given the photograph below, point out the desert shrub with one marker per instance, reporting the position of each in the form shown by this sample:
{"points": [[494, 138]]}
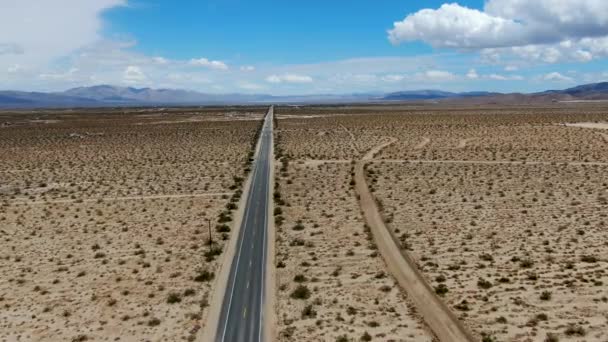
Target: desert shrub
{"points": [[441, 289], [486, 257], [574, 329], [588, 258], [204, 275], [545, 295], [484, 284], [300, 292], [488, 338], [222, 228], [366, 337], [153, 322], [212, 253], [526, 263], [309, 312], [300, 278], [462, 306], [174, 297]]}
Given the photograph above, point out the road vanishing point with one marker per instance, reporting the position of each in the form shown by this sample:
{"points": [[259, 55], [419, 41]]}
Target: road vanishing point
{"points": [[242, 314]]}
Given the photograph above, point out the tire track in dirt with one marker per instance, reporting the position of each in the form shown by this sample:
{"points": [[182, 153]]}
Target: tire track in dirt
{"points": [[434, 312], [353, 140], [425, 141], [463, 143]]}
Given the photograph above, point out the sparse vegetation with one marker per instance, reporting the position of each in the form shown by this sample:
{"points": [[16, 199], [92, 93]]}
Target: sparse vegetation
{"points": [[118, 198]]}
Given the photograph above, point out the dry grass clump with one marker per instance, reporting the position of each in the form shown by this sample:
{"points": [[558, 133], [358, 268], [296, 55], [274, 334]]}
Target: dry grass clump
{"points": [[104, 220]]}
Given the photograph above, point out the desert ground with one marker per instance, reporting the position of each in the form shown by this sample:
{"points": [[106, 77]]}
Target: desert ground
{"points": [[331, 282], [503, 210], [104, 218]]}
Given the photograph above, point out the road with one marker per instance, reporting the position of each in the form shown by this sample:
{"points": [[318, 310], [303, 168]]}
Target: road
{"points": [[242, 313]]}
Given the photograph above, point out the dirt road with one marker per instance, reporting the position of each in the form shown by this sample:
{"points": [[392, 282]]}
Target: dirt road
{"points": [[434, 312]]}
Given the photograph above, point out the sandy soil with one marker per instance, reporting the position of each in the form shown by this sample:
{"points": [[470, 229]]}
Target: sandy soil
{"points": [[509, 228], [498, 238], [105, 231], [438, 316], [325, 250], [594, 125]]}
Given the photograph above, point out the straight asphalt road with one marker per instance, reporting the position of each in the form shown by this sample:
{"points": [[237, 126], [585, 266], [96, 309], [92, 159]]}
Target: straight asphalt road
{"points": [[242, 314]]}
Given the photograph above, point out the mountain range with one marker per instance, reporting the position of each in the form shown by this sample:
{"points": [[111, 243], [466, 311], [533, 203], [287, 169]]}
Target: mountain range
{"points": [[107, 95]]}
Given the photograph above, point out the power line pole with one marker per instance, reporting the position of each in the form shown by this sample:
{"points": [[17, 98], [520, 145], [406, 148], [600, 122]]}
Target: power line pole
{"points": [[210, 236]]}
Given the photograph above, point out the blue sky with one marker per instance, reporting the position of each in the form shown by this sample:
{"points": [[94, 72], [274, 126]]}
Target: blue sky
{"points": [[303, 47]]}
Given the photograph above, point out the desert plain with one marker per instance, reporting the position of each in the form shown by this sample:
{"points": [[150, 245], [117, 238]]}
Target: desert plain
{"points": [[105, 217], [503, 210]]}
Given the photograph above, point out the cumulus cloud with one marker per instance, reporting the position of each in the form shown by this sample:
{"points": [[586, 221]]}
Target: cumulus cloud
{"points": [[394, 78], [134, 75], [557, 77], [10, 49], [541, 30], [289, 78], [69, 75], [247, 68], [33, 32], [436, 75], [498, 77], [250, 86], [204, 62], [472, 74], [160, 60]]}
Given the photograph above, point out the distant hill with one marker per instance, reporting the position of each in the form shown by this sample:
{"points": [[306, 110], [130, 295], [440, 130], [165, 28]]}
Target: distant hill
{"points": [[586, 92], [107, 95], [431, 95]]}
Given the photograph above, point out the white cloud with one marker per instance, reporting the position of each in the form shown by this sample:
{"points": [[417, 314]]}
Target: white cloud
{"points": [[33, 32], [393, 78], [454, 26], [498, 77], [60, 76], [250, 86], [472, 74], [289, 78], [247, 68], [134, 75], [10, 49], [436, 75], [15, 68], [542, 30], [511, 68], [557, 77], [204, 62], [160, 60]]}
